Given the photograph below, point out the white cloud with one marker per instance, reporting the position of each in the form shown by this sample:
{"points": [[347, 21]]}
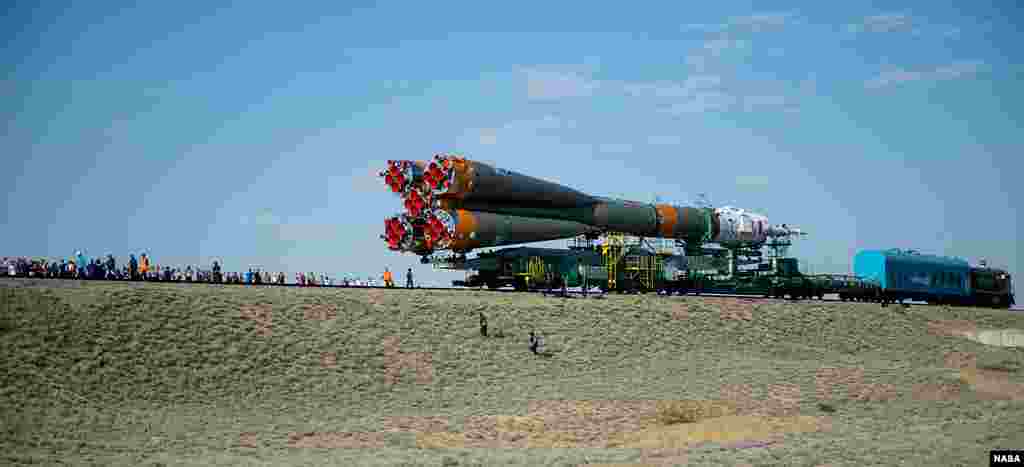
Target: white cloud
{"points": [[903, 23], [704, 101], [703, 27], [367, 179], [266, 217], [958, 69], [757, 22], [888, 22], [327, 233], [715, 52], [397, 85], [810, 84], [717, 47], [751, 103], [547, 122], [618, 148], [672, 89], [762, 21], [753, 181], [698, 62], [516, 130], [894, 77], [558, 84], [488, 136], [951, 71], [699, 92], [665, 140]]}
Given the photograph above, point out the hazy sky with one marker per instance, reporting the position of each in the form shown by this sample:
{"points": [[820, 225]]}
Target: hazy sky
{"points": [[252, 131]]}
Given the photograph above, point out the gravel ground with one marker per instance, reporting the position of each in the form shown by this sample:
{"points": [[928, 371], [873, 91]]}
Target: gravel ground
{"points": [[172, 374]]}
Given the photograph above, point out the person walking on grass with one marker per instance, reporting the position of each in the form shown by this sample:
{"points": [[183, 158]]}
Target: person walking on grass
{"points": [[483, 325]]}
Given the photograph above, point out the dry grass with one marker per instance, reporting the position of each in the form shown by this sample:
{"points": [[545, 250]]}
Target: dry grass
{"points": [[156, 374], [673, 412]]}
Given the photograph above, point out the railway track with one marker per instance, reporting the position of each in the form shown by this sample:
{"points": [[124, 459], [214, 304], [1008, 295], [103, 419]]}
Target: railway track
{"points": [[554, 293]]}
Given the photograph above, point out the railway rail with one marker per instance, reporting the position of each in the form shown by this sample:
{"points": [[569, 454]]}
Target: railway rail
{"points": [[553, 293]]}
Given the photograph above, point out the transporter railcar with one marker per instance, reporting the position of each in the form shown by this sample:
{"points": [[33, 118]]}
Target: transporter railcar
{"points": [[635, 269], [534, 268], [779, 278], [910, 275]]}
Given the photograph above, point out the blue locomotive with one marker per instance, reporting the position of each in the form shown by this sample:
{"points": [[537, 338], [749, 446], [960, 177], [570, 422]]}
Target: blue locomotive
{"points": [[911, 275]]}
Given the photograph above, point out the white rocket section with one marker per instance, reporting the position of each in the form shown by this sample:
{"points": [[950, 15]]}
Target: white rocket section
{"points": [[784, 231], [739, 226]]}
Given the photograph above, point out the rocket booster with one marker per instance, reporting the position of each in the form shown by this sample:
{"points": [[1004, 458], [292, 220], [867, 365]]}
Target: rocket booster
{"points": [[457, 204], [463, 230]]}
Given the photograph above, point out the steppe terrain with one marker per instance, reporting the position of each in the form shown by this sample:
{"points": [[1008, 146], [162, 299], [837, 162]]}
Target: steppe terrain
{"points": [[172, 374]]}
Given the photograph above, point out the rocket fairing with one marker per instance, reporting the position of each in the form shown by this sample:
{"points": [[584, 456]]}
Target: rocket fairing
{"points": [[456, 204]]}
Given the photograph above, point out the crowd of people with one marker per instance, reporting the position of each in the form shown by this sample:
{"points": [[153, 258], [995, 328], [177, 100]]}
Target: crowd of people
{"points": [[143, 268]]}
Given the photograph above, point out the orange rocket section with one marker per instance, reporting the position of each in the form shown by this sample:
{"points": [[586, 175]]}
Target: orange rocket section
{"points": [[668, 216]]}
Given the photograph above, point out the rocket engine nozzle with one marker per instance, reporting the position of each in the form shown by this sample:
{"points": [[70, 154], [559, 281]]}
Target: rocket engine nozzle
{"points": [[420, 235], [440, 228], [402, 175]]}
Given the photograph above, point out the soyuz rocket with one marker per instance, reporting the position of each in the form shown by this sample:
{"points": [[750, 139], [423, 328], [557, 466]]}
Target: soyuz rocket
{"points": [[456, 204]]}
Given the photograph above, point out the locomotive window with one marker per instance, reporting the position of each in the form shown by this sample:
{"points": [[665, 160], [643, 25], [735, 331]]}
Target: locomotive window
{"points": [[984, 281]]}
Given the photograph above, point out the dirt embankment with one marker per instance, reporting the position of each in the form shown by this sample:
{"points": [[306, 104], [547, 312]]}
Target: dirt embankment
{"points": [[135, 373]]}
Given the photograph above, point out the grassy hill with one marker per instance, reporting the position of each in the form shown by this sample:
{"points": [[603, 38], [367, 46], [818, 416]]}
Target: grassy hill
{"points": [[172, 374]]}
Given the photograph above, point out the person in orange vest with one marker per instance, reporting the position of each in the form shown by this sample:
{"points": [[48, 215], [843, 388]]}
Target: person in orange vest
{"points": [[144, 265], [388, 282]]}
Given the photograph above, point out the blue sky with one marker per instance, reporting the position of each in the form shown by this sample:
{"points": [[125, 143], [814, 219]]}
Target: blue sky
{"points": [[250, 131]]}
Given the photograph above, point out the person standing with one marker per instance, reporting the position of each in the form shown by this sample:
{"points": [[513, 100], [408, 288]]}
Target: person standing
{"points": [[111, 266], [408, 278], [483, 325], [133, 267], [387, 278], [83, 264]]}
